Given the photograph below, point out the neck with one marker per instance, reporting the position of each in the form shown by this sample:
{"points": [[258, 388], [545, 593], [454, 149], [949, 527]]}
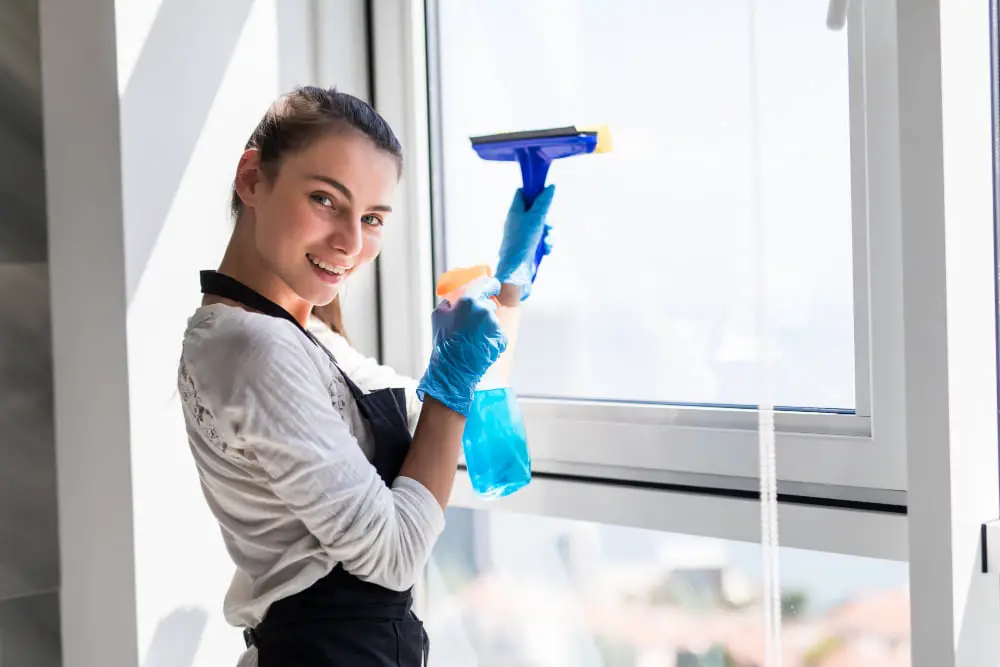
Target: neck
{"points": [[242, 262]]}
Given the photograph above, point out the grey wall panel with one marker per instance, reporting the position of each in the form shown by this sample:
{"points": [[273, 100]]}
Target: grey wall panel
{"points": [[29, 631], [29, 543], [22, 176], [29, 551]]}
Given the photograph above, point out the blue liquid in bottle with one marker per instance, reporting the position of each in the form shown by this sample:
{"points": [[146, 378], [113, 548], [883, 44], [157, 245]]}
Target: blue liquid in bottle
{"points": [[495, 444]]}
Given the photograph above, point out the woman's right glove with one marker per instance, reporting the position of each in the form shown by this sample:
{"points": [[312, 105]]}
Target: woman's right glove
{"points": [[467, 340]]}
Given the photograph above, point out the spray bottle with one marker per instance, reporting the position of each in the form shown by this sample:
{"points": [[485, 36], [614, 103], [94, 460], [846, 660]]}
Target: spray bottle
{"points": [[494, 441]]}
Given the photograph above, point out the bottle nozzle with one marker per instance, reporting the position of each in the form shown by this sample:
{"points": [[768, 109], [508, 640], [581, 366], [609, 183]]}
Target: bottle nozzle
{"points": [[454, 281]]}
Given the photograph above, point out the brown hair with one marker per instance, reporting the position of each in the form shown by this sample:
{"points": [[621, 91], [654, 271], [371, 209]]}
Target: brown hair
{"points": [[298, 118]]}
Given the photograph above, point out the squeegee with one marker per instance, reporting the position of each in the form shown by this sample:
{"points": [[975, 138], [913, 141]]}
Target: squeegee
{"points": [[535, 150]]}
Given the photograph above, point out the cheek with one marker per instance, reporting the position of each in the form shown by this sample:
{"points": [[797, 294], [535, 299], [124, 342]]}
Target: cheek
{"points": [[371, 247], [289, 228]]}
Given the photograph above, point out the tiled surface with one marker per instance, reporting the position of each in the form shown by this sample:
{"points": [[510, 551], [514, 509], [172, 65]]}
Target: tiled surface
{"points": [[29, 631], [29, 549], [22, 177]]}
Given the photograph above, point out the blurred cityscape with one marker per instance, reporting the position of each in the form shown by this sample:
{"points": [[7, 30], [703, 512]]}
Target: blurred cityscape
{"points": [[567, 601]]}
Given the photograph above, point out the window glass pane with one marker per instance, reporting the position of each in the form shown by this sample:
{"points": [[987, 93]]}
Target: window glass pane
{"points": [[507, 590], [649, 294]]}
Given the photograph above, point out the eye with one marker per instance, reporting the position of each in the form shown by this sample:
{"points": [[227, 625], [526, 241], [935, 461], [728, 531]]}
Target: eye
{"points": [[322, 199], [372, 220]]}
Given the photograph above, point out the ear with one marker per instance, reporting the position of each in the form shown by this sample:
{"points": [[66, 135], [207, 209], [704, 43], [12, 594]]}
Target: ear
{"points": [[249, 177]]}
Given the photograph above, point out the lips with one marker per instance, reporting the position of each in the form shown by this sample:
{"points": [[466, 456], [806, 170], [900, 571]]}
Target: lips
{"points": [[332, 269]]}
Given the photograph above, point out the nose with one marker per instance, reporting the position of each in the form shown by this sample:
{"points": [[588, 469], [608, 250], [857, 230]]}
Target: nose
{"points": [[347, 236]]}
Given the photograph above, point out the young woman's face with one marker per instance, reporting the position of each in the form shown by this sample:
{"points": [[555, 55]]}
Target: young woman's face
{"points": [[322, 216]]}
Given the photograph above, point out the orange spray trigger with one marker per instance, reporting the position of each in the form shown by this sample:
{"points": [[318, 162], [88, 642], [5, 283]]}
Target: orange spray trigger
{"points": [[455, 280]]}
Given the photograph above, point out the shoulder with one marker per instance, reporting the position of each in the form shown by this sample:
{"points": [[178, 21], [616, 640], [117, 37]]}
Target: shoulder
{"points": [[219, 330], [223, 344]]}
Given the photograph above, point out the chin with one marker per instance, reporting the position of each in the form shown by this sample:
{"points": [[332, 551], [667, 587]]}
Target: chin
{"points": [[326, 300], [321, 295], [314, 292]]}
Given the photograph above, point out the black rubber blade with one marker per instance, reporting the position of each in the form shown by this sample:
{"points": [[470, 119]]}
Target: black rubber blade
{"points": [[570, 131]]}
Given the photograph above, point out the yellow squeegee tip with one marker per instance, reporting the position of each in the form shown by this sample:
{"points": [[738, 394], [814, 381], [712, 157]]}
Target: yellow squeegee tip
{"points": [[604, 143]]}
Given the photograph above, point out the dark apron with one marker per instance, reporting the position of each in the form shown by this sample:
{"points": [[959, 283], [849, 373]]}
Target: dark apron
{"points": [[340, 621]]}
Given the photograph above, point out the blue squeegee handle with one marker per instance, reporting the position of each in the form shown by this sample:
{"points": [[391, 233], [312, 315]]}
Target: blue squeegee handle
{"points": [[534, 169]]}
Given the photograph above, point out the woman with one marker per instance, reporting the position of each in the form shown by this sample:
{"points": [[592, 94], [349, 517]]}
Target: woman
{"points": [[328, 507]]}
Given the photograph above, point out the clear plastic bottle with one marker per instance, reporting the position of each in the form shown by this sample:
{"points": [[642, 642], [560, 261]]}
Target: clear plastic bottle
{"points": [[494, 441]]}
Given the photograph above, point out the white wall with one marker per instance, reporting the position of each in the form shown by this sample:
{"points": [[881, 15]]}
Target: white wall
{"points": [[204, 75], [148, 104]]}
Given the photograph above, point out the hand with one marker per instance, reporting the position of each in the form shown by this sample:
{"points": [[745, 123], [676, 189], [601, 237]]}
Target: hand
{"points": [[467, 340], [525, 241]]}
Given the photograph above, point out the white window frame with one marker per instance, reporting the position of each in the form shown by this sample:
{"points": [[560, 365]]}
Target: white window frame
{"points": [[593, 482], [873, 534], [949, 337], [926, 303], [857, 456], [627, 496]]}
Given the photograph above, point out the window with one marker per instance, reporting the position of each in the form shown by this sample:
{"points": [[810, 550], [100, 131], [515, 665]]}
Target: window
{"points": [[529, 591], [638, 356], [895, 448], [656, 240]]}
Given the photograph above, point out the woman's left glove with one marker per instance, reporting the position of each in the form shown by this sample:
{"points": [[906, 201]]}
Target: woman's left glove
{"points": [[468, 339], [526, 240]]}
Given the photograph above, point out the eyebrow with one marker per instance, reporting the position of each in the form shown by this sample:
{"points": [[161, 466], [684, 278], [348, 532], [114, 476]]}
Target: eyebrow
{"points": [[344, 190], [335, 184]]}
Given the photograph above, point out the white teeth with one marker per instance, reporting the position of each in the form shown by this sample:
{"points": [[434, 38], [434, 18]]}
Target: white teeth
{"points": [[336, 270]]}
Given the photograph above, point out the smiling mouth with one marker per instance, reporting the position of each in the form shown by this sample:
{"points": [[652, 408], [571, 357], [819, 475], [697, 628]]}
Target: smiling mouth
{"points": [[328, 268]]}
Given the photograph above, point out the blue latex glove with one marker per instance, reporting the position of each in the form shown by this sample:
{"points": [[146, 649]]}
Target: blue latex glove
{"points": [[525, 240], [467, 340]]}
